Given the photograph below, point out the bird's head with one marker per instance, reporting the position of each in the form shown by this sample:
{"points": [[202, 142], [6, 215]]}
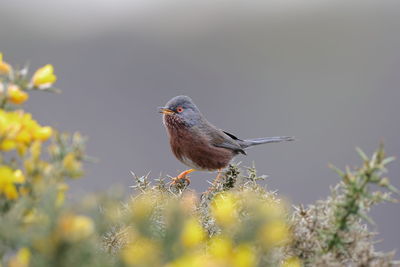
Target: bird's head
{"points": [[181, 109]]}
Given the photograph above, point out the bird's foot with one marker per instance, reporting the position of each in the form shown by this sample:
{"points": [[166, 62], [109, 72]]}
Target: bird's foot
{"points": [[182, 179]]}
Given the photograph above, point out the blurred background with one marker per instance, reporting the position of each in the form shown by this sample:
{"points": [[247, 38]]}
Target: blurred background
{"points": [[324, 71]]}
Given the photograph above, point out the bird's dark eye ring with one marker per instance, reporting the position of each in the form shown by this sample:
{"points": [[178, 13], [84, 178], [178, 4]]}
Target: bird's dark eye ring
{"points": [[179, 109]]}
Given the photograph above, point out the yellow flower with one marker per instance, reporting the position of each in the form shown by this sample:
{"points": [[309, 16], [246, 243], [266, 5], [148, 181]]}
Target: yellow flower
{"points": [[275, 233], [142, 208], [15, 95], [292, 262], [244, 256], [74, 228], [43, 133], [8, 181], [72, 165], [8, 145], [19, 131], [23, 137], [273, 209], [192, 233], [196, 260], [19, 177], [21, 259], [44, 76], [10, 191], [142, 252], [36, 150], [220, 247], [224, 209], [5, 68]]}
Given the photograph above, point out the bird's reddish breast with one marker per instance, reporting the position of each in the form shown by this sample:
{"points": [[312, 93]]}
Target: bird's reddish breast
{"points": [[193, 149]]}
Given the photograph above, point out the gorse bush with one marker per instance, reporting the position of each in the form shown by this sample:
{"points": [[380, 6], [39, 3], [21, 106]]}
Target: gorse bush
{"points": [[236, 222]]}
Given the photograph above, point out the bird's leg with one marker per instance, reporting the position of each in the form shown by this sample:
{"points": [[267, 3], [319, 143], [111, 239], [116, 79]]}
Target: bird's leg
{"points": [[214, 183], [218, 176], [182, 176]]}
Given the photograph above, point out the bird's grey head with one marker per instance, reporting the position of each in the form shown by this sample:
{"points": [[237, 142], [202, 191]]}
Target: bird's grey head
{"points": [[183, 109]]}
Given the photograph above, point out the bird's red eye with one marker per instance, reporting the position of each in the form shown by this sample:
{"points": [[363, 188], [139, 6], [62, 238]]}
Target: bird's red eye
{"points": [[179, 109]]}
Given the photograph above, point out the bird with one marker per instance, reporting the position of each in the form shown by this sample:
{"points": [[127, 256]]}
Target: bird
{"points": [[200, 145]]}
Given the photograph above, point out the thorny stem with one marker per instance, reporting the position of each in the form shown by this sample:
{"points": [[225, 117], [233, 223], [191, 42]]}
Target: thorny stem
{"points": [[355, 193], [352, 208]]}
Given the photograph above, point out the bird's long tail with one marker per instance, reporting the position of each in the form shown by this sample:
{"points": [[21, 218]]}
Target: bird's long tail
{"points": [[265, 140]]}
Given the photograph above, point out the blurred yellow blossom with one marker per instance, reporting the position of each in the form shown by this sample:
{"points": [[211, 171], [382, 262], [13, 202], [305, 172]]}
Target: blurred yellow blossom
{"points": [[8, 181], [8, 145], [19, 177], [142, 208], [19, 130], [74, 228], [244, 256], [224, 253], [71, 164], [21, 259], [194, 260], [273, 209], [5, 68], [44, 76], [36, 150], [275, 233], [43, 133], [224, 209], [220, 247], [192, 233], [292, 262], [142, 252], [16, 95], [23, 136]]}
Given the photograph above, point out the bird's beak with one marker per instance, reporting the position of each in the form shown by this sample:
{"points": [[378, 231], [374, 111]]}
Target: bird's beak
{"points": [[165, 111]]}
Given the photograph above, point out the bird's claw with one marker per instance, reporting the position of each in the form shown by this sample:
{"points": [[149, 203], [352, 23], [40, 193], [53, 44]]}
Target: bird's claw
{"points": [[180, 180]]}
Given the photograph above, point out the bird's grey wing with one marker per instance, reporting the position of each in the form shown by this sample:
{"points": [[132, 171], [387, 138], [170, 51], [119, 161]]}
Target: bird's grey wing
{"points": [[219, 138], [226, 140]]}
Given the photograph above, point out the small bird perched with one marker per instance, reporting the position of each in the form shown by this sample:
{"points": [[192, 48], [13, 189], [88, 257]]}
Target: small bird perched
{"points": [[199, 144]]}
